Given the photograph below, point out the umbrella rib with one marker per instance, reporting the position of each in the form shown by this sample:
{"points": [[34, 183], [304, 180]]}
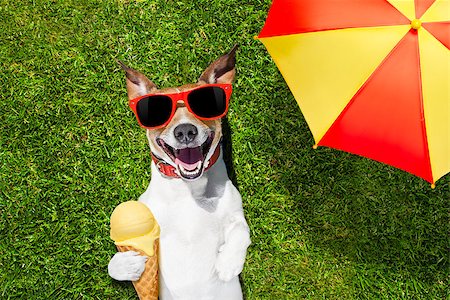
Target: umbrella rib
{"points": [[422, 117]]}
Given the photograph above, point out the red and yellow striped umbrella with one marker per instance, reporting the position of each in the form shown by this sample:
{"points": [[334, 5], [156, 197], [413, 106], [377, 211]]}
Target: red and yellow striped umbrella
{"points": [[372, 77]]}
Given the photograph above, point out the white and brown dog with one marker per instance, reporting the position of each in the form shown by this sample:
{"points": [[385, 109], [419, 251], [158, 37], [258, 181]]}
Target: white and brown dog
{"points": [[204, 235]]}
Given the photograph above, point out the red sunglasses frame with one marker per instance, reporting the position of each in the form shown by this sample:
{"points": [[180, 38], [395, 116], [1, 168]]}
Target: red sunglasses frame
{"points": [[183, 96]]}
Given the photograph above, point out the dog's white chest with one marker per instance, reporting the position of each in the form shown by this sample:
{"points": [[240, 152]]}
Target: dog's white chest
{"points": [[187, 224], [190, 235], [191, 245]]}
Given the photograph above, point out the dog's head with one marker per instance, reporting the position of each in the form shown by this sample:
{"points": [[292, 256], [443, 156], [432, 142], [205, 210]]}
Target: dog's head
{"points": [[185, 142]]}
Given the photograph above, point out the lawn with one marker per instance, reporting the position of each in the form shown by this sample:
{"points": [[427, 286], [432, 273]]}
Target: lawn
{"points": [[324, 224]]}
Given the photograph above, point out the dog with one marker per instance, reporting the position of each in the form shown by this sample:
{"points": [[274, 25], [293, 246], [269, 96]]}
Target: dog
{"points": [[204, 234]]}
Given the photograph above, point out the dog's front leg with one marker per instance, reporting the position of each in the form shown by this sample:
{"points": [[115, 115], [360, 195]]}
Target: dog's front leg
{"points": [[231, 256], [125, 266]]}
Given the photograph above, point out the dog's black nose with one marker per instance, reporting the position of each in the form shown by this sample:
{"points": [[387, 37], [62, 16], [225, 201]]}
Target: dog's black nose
{"points": [[185, 133]]}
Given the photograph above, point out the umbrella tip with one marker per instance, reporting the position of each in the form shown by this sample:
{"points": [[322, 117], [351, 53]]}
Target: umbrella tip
{"points": [[416, 24], [255, 37], [433, 186], [315, 146]]}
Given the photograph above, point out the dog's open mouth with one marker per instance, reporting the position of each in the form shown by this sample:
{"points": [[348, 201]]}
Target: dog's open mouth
{"points": [[189, 161]]}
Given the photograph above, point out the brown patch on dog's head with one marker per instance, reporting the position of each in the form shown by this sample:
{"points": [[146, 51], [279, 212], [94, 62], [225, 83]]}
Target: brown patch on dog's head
{"points": [[188, 154]]}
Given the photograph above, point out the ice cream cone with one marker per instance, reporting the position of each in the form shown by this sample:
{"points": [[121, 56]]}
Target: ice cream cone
{"points": [[133, 228], [147, 286]]}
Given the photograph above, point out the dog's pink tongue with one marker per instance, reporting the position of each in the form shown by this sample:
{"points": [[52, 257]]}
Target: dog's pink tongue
{"points": [[189, 157]]}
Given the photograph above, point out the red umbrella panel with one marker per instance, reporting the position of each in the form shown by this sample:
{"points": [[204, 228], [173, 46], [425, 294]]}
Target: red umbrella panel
{"points": [[372, 77]]}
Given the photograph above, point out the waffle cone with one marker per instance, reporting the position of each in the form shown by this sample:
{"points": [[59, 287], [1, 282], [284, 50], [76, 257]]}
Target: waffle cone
{"points": [[147, 286]]}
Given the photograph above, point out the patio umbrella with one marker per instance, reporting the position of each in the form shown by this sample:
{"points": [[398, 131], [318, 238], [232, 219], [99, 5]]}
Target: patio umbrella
{"points": [[372, 77]]}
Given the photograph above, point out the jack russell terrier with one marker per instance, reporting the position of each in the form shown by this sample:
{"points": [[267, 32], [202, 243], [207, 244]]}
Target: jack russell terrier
{"points": [[204, 235]]}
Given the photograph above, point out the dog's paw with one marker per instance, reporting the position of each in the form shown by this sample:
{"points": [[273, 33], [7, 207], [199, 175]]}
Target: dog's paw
{"points": [[126, 266], [229, 264]]}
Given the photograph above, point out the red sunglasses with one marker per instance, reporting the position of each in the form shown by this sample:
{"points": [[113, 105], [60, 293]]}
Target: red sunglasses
{"points": [[207, 102]]}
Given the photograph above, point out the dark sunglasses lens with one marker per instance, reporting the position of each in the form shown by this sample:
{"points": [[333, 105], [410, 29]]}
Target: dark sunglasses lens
{"points": [[208, 102], [154, 111]]}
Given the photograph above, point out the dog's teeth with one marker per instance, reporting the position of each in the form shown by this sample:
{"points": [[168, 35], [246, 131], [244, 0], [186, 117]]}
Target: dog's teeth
{"points": [[196, 171]]}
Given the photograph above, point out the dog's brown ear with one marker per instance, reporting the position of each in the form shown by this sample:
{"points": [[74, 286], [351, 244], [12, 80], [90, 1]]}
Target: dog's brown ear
{"points": [[137, 83], [222, 70]]}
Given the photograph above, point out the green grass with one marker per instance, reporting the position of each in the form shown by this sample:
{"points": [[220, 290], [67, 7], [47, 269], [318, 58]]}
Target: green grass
{"points": [[324, 224]]}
